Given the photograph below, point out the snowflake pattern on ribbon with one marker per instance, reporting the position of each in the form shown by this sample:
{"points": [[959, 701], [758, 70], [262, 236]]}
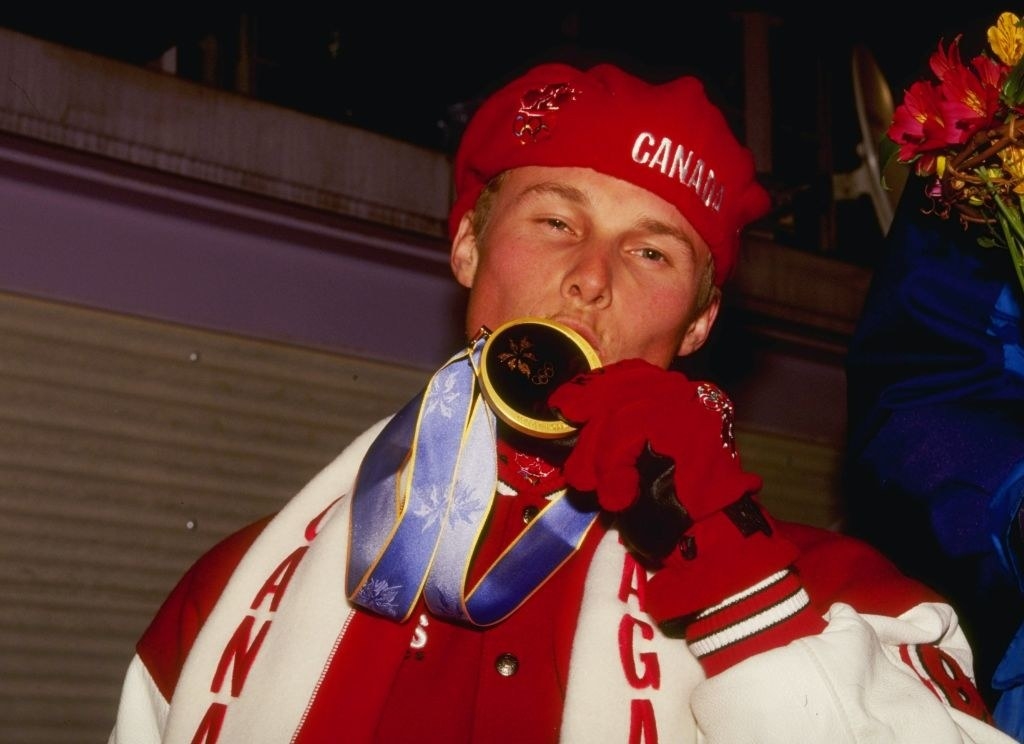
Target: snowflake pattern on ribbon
{"points": [[430, 508], [379, 595], [443, 400], [448, 605], [465, 505]]}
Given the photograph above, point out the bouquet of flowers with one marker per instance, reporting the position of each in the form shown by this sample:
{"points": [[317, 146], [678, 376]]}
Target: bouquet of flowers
{"points": [[965, 134]]}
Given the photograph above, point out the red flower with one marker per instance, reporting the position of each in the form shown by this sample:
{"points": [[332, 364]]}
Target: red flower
{"points": [[917, 124], [970, 100]]}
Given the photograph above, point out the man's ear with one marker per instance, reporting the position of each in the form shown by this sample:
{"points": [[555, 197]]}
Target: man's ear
{"points": [[465, 252], [699, 330]]}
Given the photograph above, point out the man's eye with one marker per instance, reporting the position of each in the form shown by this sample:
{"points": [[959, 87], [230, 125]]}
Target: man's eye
{"points": [[651, 254], [557, 224]]}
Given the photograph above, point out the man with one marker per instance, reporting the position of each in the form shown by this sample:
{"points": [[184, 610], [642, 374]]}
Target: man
{"points": [[436, 583]]}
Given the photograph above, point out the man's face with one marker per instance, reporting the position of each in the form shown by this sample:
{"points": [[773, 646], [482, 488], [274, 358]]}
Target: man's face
{"points": [[613, 261]]}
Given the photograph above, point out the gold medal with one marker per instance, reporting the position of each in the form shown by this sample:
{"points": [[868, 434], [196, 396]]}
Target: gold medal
{"points": [[522, 363]]}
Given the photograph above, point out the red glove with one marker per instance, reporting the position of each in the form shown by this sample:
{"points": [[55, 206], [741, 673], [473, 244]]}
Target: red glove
{"points": [[658, 450], [634, 411]]}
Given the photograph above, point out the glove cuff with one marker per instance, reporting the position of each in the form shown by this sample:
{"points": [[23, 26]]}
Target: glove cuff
{"points": [[720, 555], [730, 590], [767, 615]]}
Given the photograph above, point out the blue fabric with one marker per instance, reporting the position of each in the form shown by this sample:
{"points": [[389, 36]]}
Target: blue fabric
{"points": [[935, 375], [1004, 519], [938, 325], [935, 385], [1009, 678]]}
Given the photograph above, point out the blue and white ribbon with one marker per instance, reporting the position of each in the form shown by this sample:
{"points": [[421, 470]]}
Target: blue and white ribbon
{"points": [[424, 491]]}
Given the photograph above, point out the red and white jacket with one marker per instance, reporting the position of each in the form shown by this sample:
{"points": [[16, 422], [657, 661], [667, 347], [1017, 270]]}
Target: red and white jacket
{"points": [[258, 643]]}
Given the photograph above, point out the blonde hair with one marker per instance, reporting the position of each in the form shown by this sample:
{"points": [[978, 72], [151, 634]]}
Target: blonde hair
{"points": [[484, 205]]}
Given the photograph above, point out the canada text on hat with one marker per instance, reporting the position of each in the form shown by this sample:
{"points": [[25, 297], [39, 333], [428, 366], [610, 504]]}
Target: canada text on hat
{"points": [[667, 138]]}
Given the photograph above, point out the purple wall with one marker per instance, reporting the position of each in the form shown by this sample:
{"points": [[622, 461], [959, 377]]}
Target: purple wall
{"points": [[89, 231]]}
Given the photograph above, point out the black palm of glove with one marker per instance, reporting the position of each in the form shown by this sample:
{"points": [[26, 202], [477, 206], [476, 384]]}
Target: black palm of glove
{"points": [[654, 523], [657, 449]]}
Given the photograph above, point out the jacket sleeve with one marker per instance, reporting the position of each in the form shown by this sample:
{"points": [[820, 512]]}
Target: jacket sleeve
{"points": [[864, 678], [142, 709], [892, 663]]}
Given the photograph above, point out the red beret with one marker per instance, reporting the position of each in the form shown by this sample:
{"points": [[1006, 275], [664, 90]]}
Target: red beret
{"points": [[667, 138]]}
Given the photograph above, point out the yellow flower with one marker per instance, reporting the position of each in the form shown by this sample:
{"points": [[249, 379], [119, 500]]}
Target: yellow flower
{"points": [[1007, 38], [1012, 157]]}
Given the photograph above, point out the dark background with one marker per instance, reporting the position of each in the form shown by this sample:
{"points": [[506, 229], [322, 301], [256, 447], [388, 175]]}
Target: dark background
{"points": [[405, 72], [416, 73]]}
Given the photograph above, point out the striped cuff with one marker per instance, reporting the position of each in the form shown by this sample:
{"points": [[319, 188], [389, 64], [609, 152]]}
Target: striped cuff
{"points": [[754, 620]]}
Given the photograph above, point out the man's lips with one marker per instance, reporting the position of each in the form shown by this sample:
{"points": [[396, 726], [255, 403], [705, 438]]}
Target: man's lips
{"points": [[582, 329]]}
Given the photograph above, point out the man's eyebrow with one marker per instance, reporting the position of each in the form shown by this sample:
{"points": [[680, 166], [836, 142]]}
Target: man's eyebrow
{"points": [[575, 195], [565, 191], [657, 227]]}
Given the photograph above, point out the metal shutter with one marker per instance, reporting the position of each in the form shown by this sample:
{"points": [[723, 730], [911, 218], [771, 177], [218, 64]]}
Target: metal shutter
{"points": [[127, 448]]}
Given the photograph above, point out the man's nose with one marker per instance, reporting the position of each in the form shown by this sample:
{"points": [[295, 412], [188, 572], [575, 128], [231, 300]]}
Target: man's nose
{"points": [[589, 277]]}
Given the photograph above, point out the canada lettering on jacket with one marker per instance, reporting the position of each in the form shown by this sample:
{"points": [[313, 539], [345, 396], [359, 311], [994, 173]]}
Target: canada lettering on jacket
{"points": [[241, 650], [640, 668], [674, 161]]}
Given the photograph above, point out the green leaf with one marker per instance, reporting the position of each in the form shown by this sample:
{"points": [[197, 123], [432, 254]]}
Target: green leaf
{"points": [[887, 150], [887, 155], [1012, 227], [1013, 88]]}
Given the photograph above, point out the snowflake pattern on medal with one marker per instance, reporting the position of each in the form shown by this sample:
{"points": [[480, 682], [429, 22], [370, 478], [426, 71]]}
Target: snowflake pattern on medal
{"points": [[442, 398], [379, 595]]}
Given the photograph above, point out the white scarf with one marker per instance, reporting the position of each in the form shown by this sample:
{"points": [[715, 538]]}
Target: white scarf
{"points": [[262, 689]]}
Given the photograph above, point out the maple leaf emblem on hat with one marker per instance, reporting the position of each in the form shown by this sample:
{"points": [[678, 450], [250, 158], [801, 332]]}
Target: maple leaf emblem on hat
{"points": [[537, 110]]}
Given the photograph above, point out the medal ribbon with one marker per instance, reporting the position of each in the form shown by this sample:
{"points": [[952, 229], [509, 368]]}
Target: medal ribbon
{"points": [[424, 491]]}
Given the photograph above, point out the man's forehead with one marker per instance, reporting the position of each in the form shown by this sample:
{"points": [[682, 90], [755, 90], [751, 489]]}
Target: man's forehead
{"points": [[584, 186]]}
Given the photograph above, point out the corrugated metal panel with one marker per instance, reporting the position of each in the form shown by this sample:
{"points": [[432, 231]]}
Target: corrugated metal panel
{"points": [[127, 448], [801, 477]]}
